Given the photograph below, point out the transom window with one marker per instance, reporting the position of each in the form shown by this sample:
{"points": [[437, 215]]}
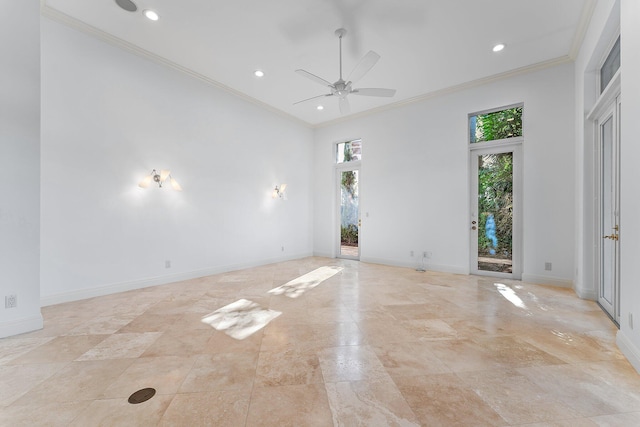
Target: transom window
{"points": [[611, 66], [495, 125], [350, 151]]}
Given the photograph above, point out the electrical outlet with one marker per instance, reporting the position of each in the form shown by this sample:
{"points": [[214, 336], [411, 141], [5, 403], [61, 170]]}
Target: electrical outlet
{"points": [[167, 264], [11, 301], [548, 266], [426, 254], [282, 249], [631, 320], [411, 254]]}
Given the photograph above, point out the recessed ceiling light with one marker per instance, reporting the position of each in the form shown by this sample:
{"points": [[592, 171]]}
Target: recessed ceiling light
{"points": [[151, 14], [320, 108], [258, 73], [498, 47]]}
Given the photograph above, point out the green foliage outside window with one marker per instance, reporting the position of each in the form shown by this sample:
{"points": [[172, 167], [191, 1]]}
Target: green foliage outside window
{"points": [[495, 197], [497, 125]]}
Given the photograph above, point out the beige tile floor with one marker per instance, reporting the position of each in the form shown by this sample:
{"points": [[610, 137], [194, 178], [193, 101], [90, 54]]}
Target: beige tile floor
{"points": [[371, 346]]}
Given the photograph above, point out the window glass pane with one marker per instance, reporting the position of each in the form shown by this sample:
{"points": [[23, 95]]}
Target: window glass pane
{"points": [[496, 125], [350, 151], [610, 66]]}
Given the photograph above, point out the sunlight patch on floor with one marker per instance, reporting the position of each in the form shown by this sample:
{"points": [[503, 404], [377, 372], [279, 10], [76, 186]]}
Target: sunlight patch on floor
{"points": [[302, 284], [240, 319], [510, 295]]}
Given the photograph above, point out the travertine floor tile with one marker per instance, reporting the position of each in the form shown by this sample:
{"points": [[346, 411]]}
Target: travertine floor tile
{"points": [[165, 374], [288, 367], [219, 408], [289, 405], [350, 363], [369, 403], [445, 400], [373, 345], [60, 349], [119, 412], [121, 346], [77, 381], [221, 371]]}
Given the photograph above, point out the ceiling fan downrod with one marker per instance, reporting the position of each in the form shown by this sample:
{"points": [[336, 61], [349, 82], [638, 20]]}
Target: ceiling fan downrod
{"points": [[340, 32]]}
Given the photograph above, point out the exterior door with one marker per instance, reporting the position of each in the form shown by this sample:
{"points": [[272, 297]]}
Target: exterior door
{"points": [[495, 230], [609, 224], [349, 212]]}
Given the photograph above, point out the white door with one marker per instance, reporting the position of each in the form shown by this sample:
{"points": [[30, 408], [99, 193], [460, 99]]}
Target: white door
{"points": [[495, 230], [348, 215], [609, 225]]}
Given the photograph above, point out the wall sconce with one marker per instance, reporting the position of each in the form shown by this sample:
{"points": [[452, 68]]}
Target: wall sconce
{"points": [[160, 178], [278, 192]]}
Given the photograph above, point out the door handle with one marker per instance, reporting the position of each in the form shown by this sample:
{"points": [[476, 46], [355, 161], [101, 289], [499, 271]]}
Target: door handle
{"points": [[612, 237], [473, 228]]}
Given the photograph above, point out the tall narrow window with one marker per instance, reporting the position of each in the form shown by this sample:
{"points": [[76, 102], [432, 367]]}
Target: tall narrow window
{"points": [[611, 66], [495, 125]]}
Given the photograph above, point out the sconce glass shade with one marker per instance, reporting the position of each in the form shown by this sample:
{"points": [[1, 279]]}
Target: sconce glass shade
{"points": [[146, 181], [164, 174], [175, 185], [282, 188]]}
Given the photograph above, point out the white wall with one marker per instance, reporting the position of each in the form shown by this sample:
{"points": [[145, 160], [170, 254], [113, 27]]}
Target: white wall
{"points": [[629, 336], [415, 177], [20, 165], [108, 118], [603, 29]]}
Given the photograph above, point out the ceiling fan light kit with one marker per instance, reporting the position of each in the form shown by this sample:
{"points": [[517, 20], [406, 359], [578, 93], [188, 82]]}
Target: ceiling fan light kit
{"points": [[341, 88]]}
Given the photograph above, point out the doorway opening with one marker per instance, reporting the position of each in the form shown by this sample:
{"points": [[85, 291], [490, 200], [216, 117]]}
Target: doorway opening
{"points": [[496, 187]]}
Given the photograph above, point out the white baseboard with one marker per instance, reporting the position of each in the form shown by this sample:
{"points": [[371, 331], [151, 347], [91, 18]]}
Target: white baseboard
{"points": [[20, 326], [545, 280], [155, 281], [414, 264], [589, 294], [630, 351]]}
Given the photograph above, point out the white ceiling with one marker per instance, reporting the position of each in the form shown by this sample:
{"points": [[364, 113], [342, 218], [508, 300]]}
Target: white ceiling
{"points": [[425, 46]]}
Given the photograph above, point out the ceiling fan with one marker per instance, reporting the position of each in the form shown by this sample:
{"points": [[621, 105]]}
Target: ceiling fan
{"points": [[343, 88]]}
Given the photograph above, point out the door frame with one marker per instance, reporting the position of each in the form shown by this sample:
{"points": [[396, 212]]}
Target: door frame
{"points": [[611, 109], [345, 167], [512, 145]]}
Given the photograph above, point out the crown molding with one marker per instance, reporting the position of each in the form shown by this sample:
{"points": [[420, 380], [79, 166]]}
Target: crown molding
{"points": [[581, 31], [83, 27], [453, 89]]}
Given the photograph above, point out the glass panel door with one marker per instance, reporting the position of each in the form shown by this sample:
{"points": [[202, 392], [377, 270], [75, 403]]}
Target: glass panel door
{"points": [[349, 213], [494, 200], [609, 227]]}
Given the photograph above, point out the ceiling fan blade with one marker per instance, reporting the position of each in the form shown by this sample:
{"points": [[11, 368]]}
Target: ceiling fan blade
{"points": [[345, 108], [314, 97], [366, 63], [313, 77], [371, 91]]}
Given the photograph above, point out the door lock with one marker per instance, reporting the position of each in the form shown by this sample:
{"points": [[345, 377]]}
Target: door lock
{"points": [[473, 228]]}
